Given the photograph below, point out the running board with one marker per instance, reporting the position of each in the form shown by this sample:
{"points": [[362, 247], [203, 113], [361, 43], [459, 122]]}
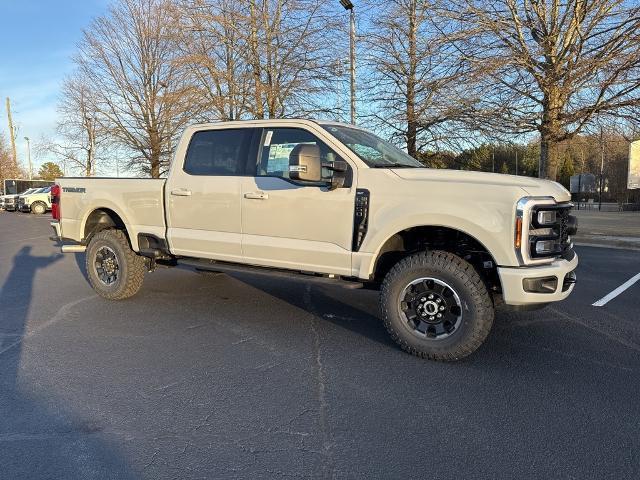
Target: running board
{"points": [[73, 248], [225, 267]]}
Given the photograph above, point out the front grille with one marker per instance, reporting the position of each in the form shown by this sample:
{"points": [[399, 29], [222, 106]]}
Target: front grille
{"points": [[563, 215]]}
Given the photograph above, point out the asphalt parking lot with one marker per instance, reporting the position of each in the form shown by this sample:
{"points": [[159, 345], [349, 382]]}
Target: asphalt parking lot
{"points": [[245, 377]]}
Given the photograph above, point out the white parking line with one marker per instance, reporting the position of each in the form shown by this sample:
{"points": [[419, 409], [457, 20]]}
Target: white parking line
{"points": [[617, 291]]}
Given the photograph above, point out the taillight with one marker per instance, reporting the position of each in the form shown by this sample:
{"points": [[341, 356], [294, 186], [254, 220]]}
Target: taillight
{"points": [[55, 202]]}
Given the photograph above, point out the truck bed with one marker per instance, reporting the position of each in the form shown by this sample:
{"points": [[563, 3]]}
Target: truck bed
{"points": [[137, 202]]}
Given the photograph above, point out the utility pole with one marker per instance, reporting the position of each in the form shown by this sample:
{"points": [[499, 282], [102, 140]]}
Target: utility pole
{"points": [[12, 134], [580, 176], [493, 159], [516, 160], [352, 55], [601, 167], [348, 5], [29, 157]]}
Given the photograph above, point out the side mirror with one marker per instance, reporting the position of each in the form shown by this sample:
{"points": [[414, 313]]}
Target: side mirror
{"points": [[305, 164], [339, 169]]}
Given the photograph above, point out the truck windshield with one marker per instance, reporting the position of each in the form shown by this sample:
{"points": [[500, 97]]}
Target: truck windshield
{"points": [[371, 149]]}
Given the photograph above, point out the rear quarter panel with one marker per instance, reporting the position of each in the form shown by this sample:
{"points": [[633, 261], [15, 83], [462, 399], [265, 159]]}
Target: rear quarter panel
{"points": [[138, 202]]}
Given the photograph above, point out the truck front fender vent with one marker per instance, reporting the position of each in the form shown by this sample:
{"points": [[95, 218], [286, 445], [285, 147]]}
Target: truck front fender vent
{"points": [[360, 218]]}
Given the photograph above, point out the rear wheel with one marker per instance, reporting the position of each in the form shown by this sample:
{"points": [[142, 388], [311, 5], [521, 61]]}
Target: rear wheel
{"points": [[115, 271], [436, 306], [39, 208]]}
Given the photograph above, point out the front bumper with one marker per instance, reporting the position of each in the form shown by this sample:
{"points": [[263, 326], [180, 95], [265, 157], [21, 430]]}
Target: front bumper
{"points": [[512, 280]]}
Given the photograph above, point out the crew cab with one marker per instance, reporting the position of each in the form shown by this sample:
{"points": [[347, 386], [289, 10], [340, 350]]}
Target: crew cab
{"points": [[38, 201], [330, 202]]}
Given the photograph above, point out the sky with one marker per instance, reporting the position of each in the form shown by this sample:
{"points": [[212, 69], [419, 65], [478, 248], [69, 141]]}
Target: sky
{"points": [[37, 40]]}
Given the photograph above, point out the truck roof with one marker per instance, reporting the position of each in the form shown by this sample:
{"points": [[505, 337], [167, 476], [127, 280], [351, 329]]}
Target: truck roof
{"points": [[272, 121]]}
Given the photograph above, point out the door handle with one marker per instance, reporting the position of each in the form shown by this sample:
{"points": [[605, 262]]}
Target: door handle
{"points": [[256, 195], [181, 192]]}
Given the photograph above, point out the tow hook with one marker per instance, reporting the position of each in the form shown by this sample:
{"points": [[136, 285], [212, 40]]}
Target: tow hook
{"points": [[569, 279]]}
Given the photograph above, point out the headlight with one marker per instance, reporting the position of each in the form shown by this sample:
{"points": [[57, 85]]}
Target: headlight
{"points": [[542, 230], [545, 247], [546, 217]]}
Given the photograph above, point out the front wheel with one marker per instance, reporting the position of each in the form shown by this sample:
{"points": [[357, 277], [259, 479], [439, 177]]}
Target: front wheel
{"points": [[435, 305], [38, 208], [115, 271]]}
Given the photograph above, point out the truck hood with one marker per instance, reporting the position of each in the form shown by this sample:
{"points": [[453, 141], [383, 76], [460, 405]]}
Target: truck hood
{"points": [[532, 186]]}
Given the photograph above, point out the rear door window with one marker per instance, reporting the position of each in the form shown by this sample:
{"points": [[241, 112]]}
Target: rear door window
{"points": [[219, 152]]}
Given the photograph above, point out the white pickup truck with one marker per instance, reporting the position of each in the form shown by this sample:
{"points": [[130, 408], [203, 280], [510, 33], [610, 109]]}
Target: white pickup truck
{"points": [[331, 202], [38, 201]]}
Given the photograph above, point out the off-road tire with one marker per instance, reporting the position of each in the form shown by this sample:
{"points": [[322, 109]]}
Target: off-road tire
{"points": [[476, 305], [38, 208], [131, 266]]}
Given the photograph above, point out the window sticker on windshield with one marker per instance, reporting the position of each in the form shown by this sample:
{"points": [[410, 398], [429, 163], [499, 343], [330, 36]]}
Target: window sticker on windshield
{"points": [[267, 138]]}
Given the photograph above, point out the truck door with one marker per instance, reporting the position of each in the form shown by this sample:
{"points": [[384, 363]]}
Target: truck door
{"points": [[288, 224], [203, 195]]}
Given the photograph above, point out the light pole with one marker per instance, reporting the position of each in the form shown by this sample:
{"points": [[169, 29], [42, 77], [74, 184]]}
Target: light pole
{"points": [[29, 158], [352, 55]]}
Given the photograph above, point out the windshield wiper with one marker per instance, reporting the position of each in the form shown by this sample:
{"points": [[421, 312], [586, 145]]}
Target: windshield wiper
{"points": [[394, 165]]}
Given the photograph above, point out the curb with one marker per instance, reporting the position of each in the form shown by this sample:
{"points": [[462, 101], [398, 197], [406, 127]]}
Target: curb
{"points": [[614, 247]]}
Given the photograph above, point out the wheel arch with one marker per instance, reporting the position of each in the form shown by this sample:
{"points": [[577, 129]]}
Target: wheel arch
{"points": [[436, 237], [102, 218]]}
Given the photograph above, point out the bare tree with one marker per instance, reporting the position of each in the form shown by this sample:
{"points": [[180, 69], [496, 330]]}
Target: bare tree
{"points": [[257, 59], [8, 167], [142, 95], [209, 42], [550, 66], [78, 132], [417, 80]]}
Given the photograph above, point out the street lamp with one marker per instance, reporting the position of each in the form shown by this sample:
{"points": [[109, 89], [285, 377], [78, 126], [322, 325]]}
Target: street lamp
{"points": [[352, 55], [29, 157]]}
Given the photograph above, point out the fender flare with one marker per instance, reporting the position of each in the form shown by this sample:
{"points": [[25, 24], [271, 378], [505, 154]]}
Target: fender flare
{"points": [[375, 256], [108, 206]]}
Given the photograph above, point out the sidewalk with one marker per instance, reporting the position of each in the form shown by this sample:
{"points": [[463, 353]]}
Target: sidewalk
{"points": [[611, 229]]}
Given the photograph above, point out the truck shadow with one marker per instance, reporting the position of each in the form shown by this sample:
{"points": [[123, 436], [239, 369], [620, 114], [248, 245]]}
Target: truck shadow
{"points": [[357, 311], [38, 438], [81, 261], [325, 303]]}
